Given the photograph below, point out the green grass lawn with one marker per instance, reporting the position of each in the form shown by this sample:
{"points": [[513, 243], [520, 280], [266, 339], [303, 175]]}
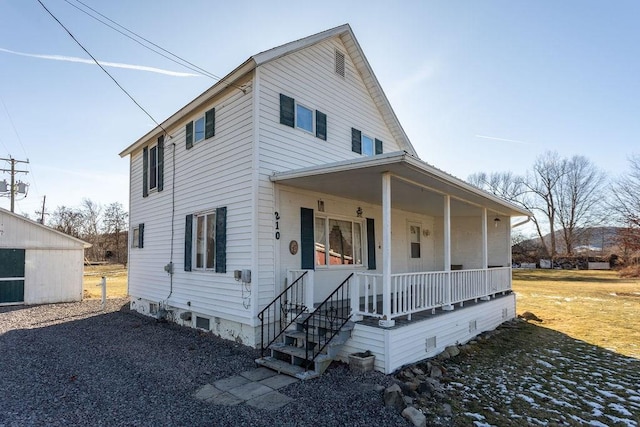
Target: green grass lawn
{"points": [[116, 275], [594, 306]]}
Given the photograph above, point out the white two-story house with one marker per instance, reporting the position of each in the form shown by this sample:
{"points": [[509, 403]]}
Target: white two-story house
{"points": [[293, 174]]}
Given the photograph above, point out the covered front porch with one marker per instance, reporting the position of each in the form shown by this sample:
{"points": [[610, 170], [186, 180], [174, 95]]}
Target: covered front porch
{"points": [[432, 240]]}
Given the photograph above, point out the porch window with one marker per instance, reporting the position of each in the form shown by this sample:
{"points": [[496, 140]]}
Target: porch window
{"points": [[338, 242]]}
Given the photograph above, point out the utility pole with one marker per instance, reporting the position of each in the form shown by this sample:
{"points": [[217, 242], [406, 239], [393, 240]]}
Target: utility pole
{"points": [[13, 173], [43, 212]]}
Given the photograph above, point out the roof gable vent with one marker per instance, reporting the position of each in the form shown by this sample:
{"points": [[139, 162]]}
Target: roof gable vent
{"points": [[339, 63]]}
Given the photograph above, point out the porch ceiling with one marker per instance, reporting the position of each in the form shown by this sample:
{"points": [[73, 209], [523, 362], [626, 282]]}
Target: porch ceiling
{"points": [[415, 185]]}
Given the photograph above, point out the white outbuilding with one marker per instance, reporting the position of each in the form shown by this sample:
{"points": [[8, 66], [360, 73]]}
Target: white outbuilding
{"points": [[38, 264]]}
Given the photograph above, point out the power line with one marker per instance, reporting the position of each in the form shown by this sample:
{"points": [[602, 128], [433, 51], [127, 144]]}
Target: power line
{"points": [[101, 67], [24, 150], [181, 61]]}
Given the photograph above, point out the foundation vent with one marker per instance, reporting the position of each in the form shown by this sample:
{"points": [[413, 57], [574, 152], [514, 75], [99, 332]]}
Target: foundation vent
{"points": [[202, 323], [153, 308], [505, 313], [473, 326], [430, 344]]}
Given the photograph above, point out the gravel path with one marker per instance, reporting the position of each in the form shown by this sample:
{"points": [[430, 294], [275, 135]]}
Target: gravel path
{"points": [[73, 364]]}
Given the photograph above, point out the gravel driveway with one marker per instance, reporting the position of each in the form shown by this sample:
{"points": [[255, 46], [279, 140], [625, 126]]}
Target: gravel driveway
{"points": [[73, 364]]}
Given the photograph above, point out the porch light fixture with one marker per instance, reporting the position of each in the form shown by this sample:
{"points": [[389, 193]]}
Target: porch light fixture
{"points": [[320, 205], [359, 212], [496, 221]]}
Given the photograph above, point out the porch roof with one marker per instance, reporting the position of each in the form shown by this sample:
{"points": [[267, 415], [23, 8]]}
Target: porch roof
{"points": [[416, 185]]}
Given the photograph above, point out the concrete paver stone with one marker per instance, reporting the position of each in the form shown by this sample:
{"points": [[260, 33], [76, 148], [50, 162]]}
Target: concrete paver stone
{"points": [[258, 374], [278, 381], [226, 399], [227, 384], [270, 401], [250, 390], [207, 391]]}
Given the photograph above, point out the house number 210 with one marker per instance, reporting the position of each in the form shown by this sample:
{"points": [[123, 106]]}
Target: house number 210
{"points": [[277, 225]]}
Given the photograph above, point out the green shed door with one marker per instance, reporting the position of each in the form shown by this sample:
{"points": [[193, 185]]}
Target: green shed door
{"points": [[11, 276]]}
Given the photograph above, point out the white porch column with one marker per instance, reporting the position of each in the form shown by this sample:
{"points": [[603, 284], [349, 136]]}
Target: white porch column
{"points": [[386, 320], [485, 254], [447, 250]]}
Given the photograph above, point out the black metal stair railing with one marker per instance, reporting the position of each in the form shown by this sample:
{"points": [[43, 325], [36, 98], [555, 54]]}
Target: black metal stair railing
{"points": [[275, 316], [326, 321]]}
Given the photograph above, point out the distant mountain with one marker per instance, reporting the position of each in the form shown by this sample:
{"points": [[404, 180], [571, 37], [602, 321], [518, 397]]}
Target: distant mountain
{"points": [[591, 239]]}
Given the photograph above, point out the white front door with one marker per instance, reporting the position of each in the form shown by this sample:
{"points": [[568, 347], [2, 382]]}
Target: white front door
{"points": [[414, 246]]}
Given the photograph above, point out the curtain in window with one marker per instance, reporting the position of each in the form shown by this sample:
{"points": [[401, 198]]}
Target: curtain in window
{"points": [[200, 248], [320, 240], [340, 242], [211, 242]]}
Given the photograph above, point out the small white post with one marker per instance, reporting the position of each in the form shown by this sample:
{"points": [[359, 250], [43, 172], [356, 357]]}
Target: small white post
{"points": [[485, 256], [447, 251], [309, 291], [103, 284], [386, 320]]}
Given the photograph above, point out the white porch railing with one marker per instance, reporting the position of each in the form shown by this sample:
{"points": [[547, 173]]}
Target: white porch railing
{"points": [[414, 292]]}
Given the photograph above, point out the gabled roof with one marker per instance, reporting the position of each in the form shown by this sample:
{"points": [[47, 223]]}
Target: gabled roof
{"points": [[44, 227], [230, 80]]}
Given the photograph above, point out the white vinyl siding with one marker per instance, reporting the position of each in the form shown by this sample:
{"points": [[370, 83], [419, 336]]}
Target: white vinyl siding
{"points": [[206, 175]]}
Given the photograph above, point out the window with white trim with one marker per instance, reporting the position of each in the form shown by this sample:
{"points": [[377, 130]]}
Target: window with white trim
{"points": [[304, 118], [296, 115], [205, 241], [135, 239], [338, 242], [198, 129], [153, 167]]}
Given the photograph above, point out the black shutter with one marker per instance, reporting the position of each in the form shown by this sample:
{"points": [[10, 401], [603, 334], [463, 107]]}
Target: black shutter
{"points": [[188, 238], [378, 146], [287, 115], [189, 135], [307, 243], [160, 162], [321, 125], [371, 244], [145, 172], [210, 123], [356, 141], [221, 240], [141, 236]]}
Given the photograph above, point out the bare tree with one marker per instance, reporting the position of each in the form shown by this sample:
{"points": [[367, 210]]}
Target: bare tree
{"points": [[68, 220], [541, 183], [578, 196], [115, 224], [91, 228], [625, 202]]}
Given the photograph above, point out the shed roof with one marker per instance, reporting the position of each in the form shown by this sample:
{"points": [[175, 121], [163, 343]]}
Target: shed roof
{"points": [[30, 223]]}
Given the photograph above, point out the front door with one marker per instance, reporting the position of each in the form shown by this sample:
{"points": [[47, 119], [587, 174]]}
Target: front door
{"points": [[11, 276], [415, 246]]}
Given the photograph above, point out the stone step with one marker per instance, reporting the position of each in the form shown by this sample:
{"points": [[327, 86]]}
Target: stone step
{"points": [[298, 352], [283, 367]]}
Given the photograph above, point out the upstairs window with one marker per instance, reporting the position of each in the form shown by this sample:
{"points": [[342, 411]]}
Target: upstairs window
{"points": [[363, 144], [153, 167], [202, 128], [304, 118], [299, 116]]}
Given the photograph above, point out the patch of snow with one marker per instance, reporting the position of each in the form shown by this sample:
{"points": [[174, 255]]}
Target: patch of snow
{"points": [[478, 417], [545, 364], [621, 409], [610, 395], [564, 380], [627, 422], [481, 424], [577, 418], [613, 385], [526, 398], [597, 423]]}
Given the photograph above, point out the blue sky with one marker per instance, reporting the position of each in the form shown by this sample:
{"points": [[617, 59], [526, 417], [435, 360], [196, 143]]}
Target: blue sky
{"points": [[477, 85]]}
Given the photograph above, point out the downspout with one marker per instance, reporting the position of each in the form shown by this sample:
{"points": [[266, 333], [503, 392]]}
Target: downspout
{"points": [[169, 267]]}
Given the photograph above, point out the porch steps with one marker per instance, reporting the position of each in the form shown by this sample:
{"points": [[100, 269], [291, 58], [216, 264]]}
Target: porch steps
{"points": [[288, 356]]}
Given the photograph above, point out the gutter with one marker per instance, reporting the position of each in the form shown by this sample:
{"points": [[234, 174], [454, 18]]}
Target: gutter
{"points": [[518, 224]]}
